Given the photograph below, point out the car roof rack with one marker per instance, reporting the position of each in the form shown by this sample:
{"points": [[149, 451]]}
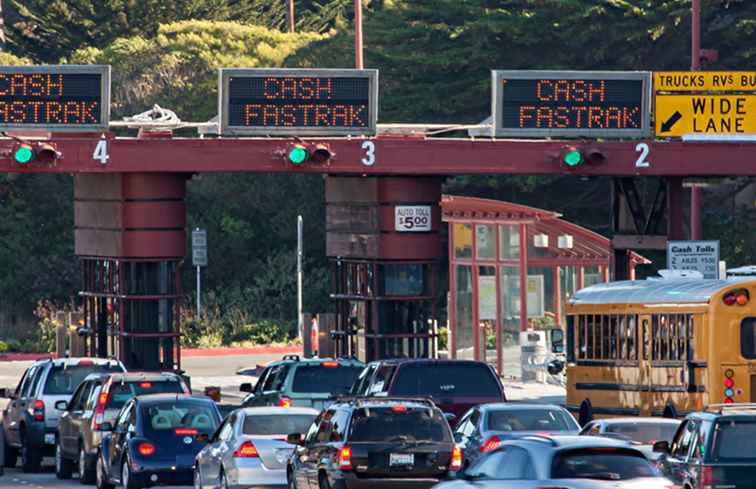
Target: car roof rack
{"points": [[721, 408], [360, 400]]}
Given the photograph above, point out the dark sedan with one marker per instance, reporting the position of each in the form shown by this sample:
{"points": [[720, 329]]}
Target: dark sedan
{"points": [[155, 440]]}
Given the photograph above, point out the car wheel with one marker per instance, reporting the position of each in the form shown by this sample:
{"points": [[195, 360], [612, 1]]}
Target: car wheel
{"points": [[323, 481], [101, 479], [128, 481], [63, 466], [86, 471], [10, 454], [30, 460]]}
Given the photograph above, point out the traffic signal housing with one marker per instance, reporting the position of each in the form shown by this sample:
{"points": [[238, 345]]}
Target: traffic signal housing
{"points": [[300, 153], [25, 153], [574, 157]]}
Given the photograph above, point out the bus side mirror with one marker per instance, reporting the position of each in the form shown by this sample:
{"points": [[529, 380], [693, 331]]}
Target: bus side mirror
{"points": [[557, 340]]}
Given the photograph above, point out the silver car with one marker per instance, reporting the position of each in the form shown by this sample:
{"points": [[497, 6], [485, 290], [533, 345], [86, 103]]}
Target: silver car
{"points": [[249, 449], [566, 462], [641, 432]]}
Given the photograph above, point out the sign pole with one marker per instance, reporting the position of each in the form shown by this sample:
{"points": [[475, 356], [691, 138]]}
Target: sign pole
{"points": [[300, 319], [695, 65], [198, 292]]}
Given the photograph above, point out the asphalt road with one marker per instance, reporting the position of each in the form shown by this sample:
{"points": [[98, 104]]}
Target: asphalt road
{"points": [[221, 371]]}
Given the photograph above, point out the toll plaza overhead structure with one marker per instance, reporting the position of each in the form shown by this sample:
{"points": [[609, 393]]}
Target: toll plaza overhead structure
{"points": [[383, 187], [502, 255]]}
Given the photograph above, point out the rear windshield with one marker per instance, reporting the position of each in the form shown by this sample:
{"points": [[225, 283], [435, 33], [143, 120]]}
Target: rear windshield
{"points": [[733, 440], [602, 464], [644, 433], [62, 380], [318, 379], [277, 424], [387, 425], [121, 392], [446, 379], [170, 415], [529, 420], [748, 338]]}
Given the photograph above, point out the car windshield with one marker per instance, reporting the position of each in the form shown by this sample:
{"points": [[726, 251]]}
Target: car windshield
{"points": [[644, 433], [63, 380], [529, 420], [170, 415], [277, 424], [391, 424], [601, 463], [319, 379], [446, 379], [734, 440], [122, 392]]}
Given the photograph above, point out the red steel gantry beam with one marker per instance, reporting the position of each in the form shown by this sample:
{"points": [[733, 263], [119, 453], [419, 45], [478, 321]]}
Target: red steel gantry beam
{"points": [[393, 156]]}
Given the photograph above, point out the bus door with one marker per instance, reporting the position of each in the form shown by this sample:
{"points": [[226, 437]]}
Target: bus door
{"points": [[645, 380]]}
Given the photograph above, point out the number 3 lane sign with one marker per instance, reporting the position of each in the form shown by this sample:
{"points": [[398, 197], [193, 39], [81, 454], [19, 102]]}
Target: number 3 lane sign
{"points": [[412, 218]]}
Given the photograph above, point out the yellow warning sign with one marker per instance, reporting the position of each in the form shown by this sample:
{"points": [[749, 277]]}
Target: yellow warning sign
{"points": [[704, 81], [676, 115]]}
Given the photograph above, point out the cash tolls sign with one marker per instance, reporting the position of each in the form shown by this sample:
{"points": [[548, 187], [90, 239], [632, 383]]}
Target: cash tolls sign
{"points": [[55, 98], [571, 103]]}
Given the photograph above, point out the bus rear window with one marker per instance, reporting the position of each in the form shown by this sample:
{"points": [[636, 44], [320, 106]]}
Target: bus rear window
{"points": [[733, 441], [748, 338]]}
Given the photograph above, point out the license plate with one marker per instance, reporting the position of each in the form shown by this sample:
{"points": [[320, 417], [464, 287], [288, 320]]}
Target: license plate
{"points": [[401, 459], [49, 438]]}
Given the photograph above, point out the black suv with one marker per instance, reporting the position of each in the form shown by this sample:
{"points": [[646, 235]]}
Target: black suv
{"points": [[30, 421], [376, 443], [97, 400], [714, 448], [454, 385]]}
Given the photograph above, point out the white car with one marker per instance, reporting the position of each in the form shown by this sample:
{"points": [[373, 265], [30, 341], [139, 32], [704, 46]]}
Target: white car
{"points": [[564, 462], [249, 449]]}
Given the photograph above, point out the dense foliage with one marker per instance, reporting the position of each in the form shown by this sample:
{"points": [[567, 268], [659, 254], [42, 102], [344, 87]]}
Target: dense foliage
{"points": [[434, 58]]}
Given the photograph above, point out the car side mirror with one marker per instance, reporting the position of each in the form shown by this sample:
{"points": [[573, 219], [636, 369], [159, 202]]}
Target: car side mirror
{"points": [[106, 426], [6, 393], [246, 387], [661, 446], [61, 406], [556, 336], [555, 367], [294, 439]]}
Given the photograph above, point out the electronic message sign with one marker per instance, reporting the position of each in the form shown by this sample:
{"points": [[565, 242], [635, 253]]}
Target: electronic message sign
{"points": [[571, 103], [298, 101], [54, 98]]}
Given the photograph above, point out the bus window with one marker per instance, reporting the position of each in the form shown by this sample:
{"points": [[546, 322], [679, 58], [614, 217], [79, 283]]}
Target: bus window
{"points": [[748, 338]]}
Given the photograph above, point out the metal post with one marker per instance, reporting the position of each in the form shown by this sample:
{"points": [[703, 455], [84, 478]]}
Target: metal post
{"points": [[290, 9], [300, 319], [695, 65], [198, 293], [358, 62]]}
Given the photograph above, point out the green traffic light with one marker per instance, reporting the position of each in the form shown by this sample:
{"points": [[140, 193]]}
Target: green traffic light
{"points": [[298, 155], [573, 158], [24, 154]]}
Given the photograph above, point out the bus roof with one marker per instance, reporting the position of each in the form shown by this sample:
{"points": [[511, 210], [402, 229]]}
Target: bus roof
{"points": [[654, 291]]}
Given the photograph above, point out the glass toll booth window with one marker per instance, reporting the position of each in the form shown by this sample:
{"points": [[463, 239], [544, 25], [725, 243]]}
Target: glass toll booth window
{"points": [[462, 236]]}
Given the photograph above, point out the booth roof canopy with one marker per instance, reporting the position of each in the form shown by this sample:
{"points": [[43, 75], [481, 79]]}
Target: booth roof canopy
{"points": [[586, 243]]}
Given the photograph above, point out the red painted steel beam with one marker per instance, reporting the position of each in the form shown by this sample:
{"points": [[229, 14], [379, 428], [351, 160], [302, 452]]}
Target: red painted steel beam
{"points": [[393, 156]]}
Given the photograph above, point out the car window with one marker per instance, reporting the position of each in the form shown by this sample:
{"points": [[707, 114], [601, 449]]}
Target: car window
{"points": [[382, 379], [120, 392], [324, 430], [276, 378], [34, 382], [602, 464], [509, 463], [94, 394], [311, 436], [324, 380], [734, 441], [261, 381], [22, 382], [63, 379], [277, 424], [167, 416], [339, 423], [390, 424], [77, 401], [446, 379], [465, 426], [683, 439], [124, 417], [644, 433], [363, 380], [228, 428], [27, 381], [528, 420]]}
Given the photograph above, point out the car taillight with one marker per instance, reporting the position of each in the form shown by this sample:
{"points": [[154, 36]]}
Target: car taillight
{"points": [[345, 458], [146, 449], [284, 402], [83, 363], [399, 408], [707, 478], [186, 431], [102, 402], [456, 459], [491, 444], [145, 385], [246, 450], [37, 410], [329, 364]]}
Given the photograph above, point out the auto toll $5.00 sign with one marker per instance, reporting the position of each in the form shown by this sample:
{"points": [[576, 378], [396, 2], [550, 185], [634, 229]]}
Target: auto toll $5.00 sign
{"points": [[412, 218], [715, 103]]}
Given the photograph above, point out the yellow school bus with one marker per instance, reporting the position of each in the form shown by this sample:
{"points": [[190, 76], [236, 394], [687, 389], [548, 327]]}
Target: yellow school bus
{"points": [[660, 347]]}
